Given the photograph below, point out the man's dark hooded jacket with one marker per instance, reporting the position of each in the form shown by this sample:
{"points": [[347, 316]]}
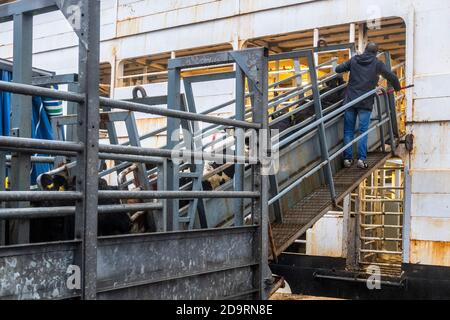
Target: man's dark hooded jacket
{"points": [[365, 71]]}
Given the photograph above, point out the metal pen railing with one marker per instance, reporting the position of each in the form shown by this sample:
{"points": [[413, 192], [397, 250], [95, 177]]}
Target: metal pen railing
{"points": [[112, 152]]}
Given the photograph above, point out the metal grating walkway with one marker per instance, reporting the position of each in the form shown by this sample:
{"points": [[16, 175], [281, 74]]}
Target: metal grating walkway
{"points": [[298, 219]]}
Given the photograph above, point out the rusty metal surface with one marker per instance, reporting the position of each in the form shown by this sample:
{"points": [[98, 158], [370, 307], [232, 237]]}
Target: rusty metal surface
{"points": [[205, 264], [39, 272], [311, 208]]}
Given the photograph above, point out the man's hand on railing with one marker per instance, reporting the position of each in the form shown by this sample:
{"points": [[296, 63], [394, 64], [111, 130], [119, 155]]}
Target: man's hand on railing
{"points": [[390, 91]]}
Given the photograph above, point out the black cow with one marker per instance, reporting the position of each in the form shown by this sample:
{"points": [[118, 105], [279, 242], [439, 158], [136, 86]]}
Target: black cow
{"points": [[327, 101], [57, 229]]}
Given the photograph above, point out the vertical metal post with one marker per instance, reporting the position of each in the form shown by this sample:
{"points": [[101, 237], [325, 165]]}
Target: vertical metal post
{"points": [[173, 138], [21, 107], [261, 214], [358, 231], [316, 38], [2, 204], [322, 132], [299, 79], [162, 186], [346, 226], [352, 239], [398, 195], [274, 190], [391, 124], [407, 217], [196, 144], [380, 118], [88, 134], [240, 147], [392, 102], [133, 136], [352, 33]]}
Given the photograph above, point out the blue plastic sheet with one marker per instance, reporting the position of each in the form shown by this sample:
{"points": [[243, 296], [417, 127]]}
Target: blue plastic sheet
{"points": [[40, 124]]}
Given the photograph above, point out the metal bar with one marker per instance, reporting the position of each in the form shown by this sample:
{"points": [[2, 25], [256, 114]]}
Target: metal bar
{"points": [[366, 213], [383, 200], [176, 195], [55, 79], [21, 114], [29, 151], [380, 118], [129, 207], [36, 159], [381, 239], [261, 181], [385, 188], [86, 219], [125, 105], [381, 264], [28, 143], [406, 231], [377, 226], [274, 191], [173, 113], [392, 123], [133, 136], [385, 283], [165, 153], [2, 189], [131, 158], [209, 59], [380, 252], [52, 212], [173, 138], [290, 55], [30, 90], [322, 134], [390, 105], [39, 195], [238, 180]]}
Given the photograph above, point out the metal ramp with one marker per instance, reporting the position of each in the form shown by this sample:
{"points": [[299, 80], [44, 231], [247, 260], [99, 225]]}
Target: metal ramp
{"points": [[320, 181], [298, 219]]}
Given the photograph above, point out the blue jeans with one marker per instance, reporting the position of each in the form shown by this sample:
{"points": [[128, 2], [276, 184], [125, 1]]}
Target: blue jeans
{"points": [[349, 131]]}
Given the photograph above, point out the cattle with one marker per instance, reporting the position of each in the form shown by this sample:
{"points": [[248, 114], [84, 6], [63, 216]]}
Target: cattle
{"points": [[326, 101], [59, 229], [334, 97]]}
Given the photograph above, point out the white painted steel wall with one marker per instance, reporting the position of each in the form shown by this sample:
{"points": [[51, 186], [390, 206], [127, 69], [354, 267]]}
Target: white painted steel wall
{"points": [[326, 237], [133, 28]]}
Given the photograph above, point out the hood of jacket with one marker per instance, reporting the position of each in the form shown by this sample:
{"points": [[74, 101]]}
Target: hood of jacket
{"points": [[365, 58]]}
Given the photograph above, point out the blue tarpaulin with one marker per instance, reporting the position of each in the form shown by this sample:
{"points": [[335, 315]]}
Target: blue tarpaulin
{"points": [[40, 123], [5, 105]]}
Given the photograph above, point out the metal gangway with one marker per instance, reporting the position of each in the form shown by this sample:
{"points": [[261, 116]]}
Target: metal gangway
{"points": [[222, 240]]}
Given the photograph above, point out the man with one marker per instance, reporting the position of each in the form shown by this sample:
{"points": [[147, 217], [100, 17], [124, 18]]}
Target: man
{"points": [[365, 70]]}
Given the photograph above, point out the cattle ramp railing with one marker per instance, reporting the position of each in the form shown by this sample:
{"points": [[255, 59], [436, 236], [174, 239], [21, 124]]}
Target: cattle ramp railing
{"points": [[226, 263]]}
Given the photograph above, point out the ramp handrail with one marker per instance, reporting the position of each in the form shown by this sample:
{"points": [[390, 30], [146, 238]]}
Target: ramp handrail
{"points": [[339, 112]]}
